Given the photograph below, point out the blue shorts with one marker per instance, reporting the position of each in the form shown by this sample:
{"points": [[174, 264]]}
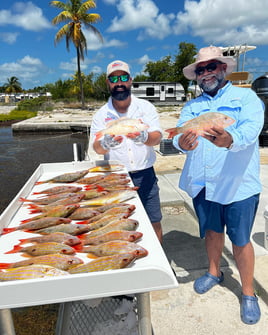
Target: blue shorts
{"points": [[238, 217], [148, 192]]}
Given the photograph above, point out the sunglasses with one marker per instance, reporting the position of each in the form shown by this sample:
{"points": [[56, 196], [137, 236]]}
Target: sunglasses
{"points": [[114, 79], [209, 67]]}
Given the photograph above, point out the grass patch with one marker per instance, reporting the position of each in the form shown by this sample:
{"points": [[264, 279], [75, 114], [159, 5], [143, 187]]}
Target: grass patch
{"points": [[17, 115]]}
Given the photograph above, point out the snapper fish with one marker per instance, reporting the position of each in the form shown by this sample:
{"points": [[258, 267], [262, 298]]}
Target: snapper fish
{"points": [[59, 237], [38, 224], [59, 261], [111, 197], [44, 248], [105, 263], [107, 168], [122, 126], [122, 235], [198, 124], [113, 248], [69, 177], [31, 272], [60, 189]]}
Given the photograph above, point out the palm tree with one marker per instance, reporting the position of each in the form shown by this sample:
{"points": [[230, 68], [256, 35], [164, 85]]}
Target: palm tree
{"points": [[74, 12], [12, 85]]}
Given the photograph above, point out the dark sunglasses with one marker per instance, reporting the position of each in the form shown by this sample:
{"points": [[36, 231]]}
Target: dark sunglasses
{"points": [[114, 79], [209, 67]]}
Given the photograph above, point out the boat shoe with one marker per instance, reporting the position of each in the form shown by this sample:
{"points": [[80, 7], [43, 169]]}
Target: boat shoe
{"points": [[250, 310], [206, 282]]}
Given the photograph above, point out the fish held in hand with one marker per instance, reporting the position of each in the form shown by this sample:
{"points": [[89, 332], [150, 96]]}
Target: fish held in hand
{"points": [[105, 263], [31, 272], [59, 261], [122, 126], [122, 235], [198, 124]]}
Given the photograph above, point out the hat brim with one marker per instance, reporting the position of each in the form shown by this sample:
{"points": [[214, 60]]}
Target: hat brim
{"points": [[189, 70]]}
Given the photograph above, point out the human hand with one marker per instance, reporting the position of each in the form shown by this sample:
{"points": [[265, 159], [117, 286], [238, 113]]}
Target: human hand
{"points": [[188, 140], [110, 141], [138, 137], [218, 136]]}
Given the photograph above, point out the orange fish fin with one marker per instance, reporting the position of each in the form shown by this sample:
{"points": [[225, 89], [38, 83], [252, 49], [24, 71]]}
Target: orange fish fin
{"points": [[8, 230], [91, 256], [78, 247], [15, 249], [24, 199], [4, 265], [83, 222], [171, 132]]}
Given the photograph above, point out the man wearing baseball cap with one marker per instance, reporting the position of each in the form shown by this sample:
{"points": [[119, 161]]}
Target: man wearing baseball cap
{"points": [[221, 172], [134, 150]]}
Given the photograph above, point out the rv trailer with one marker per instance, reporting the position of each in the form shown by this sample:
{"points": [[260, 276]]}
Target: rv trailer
{"points": [[159, 92]]}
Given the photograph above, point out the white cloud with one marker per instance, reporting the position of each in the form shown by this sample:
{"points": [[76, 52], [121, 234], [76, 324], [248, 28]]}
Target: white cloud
{"points": [[144, 15], [25, 15], [144, 60], [26, 69], [225, 22], [9, 38], [93, 42]]}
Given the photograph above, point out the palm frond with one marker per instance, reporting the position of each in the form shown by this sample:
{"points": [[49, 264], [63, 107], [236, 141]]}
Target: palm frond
{"points": [[62, 17]]}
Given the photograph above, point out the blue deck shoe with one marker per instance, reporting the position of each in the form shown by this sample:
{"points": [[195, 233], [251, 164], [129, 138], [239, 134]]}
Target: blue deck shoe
{"points": [[250, 310], [206, 282]]}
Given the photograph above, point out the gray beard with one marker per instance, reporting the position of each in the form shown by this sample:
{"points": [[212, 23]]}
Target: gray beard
{"points": [[214, 86]]}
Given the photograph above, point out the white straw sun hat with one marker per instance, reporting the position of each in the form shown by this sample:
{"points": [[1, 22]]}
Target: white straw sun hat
{"points": [[206, 54]]}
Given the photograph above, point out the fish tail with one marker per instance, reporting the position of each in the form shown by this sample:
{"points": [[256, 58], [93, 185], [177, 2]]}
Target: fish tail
{"points": [[172, 132], [15, 249], [98, 135], [23, 241], [39, 182], [22, 199], [5, 265], [8, 230]]}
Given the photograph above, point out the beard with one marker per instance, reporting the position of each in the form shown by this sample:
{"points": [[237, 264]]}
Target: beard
{"points": [[119, 94], [212, 86]]}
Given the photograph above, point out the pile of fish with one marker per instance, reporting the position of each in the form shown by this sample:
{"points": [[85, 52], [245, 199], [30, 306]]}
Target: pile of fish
{"points": [[84, 216]]}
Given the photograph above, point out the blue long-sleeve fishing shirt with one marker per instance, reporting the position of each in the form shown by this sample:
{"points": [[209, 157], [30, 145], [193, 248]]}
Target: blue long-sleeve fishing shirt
{"points": [[227, 174]]}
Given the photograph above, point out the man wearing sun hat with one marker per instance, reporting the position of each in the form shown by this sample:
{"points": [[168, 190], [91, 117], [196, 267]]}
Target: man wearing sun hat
{"points": [[221, 171], [134, 150]]}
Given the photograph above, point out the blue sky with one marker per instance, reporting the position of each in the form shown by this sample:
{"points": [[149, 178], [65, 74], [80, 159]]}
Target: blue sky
{"points": [[136, 31]]}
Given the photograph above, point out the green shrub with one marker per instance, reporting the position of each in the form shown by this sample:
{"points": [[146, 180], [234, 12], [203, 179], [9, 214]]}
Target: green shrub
{"points": [[17, 115]]}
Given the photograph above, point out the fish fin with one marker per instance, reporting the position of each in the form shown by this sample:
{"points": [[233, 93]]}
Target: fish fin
{"points": [[25, 221], [4, 265], [8, 230], [15, 249], [83, 222], [78, 247], [23, 241], [91, 255], [172, 132]]}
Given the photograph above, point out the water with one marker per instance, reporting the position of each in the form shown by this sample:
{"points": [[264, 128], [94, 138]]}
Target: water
{"points": [[21, 154]]}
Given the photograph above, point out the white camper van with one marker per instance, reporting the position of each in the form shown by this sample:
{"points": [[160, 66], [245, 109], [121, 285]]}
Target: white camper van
{"points": [[159, 92]]}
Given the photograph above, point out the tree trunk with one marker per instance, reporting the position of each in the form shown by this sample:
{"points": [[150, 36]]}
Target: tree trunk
{"points": [[80, 79]]}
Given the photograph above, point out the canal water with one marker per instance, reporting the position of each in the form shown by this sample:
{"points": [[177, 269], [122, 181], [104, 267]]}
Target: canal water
{"points": [[21, 154]]}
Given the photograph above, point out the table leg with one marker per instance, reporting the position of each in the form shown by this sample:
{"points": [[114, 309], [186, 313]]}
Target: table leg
{"points": [[6, 322], [144, 313]]}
